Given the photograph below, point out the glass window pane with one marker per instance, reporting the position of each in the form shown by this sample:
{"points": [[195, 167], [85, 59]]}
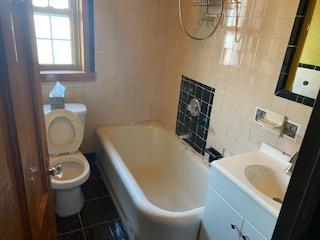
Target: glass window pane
{"points": [[42, 25], [62, 52], [60, 27], [40, 3], [60, 4], [44, 51]]}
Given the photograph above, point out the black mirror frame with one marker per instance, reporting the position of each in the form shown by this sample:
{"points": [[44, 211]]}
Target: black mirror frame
{"points": [[288, 59]]}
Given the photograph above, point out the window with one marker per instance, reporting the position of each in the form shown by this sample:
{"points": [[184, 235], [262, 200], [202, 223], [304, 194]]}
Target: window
{"points": [[62, 38]]}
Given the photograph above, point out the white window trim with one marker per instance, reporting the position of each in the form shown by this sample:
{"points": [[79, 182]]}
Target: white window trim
{"points": [[73, 13]]}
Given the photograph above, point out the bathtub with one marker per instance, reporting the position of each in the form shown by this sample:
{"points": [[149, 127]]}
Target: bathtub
{"points": [[159, 185]]}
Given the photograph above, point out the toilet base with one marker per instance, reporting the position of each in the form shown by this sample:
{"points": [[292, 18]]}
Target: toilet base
{"points": [[68, 201]]}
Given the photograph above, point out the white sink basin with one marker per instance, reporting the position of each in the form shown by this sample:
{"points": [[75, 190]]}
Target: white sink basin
{"points": [[261, 174], [271, 183]]}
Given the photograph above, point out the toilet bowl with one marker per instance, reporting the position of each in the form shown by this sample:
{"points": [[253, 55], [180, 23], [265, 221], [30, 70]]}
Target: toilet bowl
{"points": [[68, 195], [64, 137]]}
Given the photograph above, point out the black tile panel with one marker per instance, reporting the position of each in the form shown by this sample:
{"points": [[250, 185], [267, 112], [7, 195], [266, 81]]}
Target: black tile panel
{"points": [[296, 30], [309, 66], [197, 125], [290, 53], [288, 59], [303, 7]]}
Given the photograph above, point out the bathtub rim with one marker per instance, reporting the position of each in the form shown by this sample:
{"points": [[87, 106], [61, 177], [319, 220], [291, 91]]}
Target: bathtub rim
{"points": [[138, 197]]}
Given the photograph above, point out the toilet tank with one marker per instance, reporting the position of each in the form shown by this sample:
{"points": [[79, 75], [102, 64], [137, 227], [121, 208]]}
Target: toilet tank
{"points": [[77, 108]]}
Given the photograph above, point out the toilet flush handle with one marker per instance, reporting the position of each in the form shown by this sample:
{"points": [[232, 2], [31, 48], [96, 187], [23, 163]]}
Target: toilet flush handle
{"points": [[56, 171]]}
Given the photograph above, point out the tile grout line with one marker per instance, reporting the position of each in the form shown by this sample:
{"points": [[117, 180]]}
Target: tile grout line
{"points": [[104, 222], [82, 229], [97, 198], [71, 231]]}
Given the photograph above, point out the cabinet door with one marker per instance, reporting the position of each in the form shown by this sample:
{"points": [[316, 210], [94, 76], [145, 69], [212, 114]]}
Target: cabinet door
{"points": [[220, 220], [249, 232]]}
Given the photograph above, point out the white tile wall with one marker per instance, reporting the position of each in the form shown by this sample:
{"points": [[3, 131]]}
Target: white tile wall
{"points": [[128, 44], [244, 74], [141, 53]]}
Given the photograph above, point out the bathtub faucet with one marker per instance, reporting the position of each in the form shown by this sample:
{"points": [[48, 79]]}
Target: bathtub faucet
{"points": [[186, 135]]}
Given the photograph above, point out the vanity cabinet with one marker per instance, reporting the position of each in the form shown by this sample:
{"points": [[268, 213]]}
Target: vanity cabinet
{"points": [[222, 222], [249, 232]]}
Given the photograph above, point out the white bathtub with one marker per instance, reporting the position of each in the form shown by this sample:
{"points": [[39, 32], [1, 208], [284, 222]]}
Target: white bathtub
{"points": [[159, 186]]}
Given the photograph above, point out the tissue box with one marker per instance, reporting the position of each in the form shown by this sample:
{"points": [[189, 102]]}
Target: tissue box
{"points": [[56, 102]]}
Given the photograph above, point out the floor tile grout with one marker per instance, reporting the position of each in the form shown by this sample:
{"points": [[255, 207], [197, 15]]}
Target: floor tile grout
{"points": [[97, 198], [71, 231], [80, 229], [81, 224], [104, 222]]}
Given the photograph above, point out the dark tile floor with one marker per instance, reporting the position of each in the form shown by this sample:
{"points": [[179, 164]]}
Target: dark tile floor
{"points": [[98, 220]]}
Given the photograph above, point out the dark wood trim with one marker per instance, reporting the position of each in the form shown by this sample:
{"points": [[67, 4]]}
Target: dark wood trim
{"points": [[21, 87], [86, 72], [46, 210], [302, 196], [7, 117], [66, 76]]}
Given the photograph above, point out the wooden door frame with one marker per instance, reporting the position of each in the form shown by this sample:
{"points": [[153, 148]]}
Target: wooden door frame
{"points": [[302, 196], [12, 143], [18, 50]]}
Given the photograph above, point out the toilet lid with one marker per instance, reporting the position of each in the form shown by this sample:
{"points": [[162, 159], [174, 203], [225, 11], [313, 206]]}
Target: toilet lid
{"points": [[64, 132]]}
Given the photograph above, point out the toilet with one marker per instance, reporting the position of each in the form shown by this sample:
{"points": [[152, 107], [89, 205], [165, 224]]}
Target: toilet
{"points": [[65, 128]]}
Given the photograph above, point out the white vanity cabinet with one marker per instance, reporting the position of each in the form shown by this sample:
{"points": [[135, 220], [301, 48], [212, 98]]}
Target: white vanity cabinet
{"points": [[222, 222], [249, 232], [231, 214]]}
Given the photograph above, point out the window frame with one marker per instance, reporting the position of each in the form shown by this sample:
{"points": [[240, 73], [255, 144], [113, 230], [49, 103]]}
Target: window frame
{"points": [[84, 70]]}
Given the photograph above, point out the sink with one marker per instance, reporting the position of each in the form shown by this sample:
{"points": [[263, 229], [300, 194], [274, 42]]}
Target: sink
{"points": [[268, 181]]}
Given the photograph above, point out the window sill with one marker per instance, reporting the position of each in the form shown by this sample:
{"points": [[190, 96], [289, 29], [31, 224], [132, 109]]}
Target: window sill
{"points": [[62, 76]]}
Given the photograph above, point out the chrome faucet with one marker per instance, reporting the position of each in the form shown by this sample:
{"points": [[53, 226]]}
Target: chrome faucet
{"points": [[186, 135], [292, 160]]}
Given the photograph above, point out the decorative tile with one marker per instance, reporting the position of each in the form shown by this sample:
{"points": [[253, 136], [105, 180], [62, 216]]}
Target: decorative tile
{"points": [[67, 224], [288, 60], [259, 114], [309, 66], [107, 231], [296, 30], [290, 130], [98, 211], [94, 188], [78, 235], [213, 154], [199, 125]]}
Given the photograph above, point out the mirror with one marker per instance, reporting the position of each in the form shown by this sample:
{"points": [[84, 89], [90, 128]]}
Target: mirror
{"points": [[300, 74]]}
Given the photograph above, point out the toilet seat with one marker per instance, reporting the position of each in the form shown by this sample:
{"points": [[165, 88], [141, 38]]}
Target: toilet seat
{"points": [[76, 170], [64, 132]]}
